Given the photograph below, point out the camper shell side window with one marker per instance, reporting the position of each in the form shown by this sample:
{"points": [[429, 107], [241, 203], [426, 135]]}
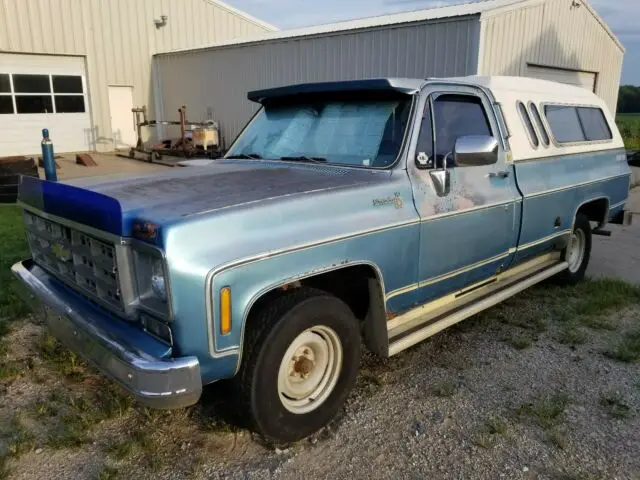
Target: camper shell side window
{"points": [[577, 124]]}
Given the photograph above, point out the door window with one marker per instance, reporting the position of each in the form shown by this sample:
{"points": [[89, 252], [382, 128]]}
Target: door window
{"points": [[457, 116]]}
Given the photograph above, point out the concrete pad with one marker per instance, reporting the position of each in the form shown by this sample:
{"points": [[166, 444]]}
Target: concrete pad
{"points": [[619, 254], [107, 164]]}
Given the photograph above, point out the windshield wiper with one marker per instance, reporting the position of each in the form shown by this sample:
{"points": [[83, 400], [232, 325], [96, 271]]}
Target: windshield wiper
{"points": [[252, 156], [304, 158]]}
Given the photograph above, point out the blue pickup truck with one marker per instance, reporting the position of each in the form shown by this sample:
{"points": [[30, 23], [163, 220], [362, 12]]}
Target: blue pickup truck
{"points": [[347, 214]]}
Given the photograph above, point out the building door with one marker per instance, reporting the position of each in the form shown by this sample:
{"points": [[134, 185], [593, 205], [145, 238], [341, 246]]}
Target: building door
{"points": [[43, 91], [122, 126]]}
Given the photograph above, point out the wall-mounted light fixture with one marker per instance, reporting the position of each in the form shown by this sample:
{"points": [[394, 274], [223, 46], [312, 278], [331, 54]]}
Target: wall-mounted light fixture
{"points": [[162, 22], [575, 4]]}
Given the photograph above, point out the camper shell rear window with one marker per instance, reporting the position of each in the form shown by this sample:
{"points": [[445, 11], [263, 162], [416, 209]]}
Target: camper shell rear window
{"points": [[577, 124]]}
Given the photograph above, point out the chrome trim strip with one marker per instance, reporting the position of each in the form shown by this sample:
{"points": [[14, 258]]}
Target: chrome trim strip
{"points": [[471, 210], [566, 155], [472, 309], [154, 382], [439, 278], [544, 239], [618, 205], [576, 185]]}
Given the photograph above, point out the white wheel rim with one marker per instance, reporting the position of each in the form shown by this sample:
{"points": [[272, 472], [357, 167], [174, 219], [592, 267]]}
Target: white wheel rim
{"points": [[310, 369], [575, 250]]}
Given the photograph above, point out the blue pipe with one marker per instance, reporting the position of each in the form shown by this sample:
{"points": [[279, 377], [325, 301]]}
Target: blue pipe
{"points": [[48, 157]]}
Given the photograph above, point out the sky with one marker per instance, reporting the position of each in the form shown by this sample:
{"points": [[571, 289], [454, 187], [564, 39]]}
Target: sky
{"points": [[622, 16]]}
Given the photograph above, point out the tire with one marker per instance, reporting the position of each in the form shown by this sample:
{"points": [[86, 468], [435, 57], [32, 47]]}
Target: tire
{"points": [[303, 324], [577, 252]]}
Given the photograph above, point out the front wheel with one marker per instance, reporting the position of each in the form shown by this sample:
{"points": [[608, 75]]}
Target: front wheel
{"points": [[577, 252], [300, 362]]}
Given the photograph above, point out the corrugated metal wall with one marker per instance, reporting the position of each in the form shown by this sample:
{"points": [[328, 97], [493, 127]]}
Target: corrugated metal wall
{"points": [[553, 34], [118, 38], [214, 82]]}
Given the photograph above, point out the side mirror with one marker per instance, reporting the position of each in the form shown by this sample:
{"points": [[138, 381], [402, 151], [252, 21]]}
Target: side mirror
{"points": [[475, 151]]}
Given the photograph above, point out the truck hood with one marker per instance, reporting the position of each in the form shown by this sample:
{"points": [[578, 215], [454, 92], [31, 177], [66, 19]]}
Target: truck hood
{"points": [[115, 203]]}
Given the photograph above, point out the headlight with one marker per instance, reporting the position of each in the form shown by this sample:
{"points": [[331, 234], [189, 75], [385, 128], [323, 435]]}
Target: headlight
{"points": [[157, 281], [151, 282]]}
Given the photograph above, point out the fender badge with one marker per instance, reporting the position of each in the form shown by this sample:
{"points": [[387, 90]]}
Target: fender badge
{"points": [[396, 201]]}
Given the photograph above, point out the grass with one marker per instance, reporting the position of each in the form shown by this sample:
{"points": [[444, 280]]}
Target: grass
{"points": [[13, 248], [60, 358], [557, 438], [121, 449], [629, 126], [73, 415], [521, 342], [108, 473], [615, 405], [587, 305], [628, 350], [573, 336], [496, 425], [547, 411], [445, 389], [493, 427], [484, 440]]}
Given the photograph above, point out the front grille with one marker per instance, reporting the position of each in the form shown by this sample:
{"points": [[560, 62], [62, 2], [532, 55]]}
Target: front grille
{"points": [[79, 260]]}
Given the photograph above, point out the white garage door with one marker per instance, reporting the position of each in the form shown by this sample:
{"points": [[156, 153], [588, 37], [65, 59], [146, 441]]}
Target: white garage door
{"points": [[572, 77], [43, 91]]}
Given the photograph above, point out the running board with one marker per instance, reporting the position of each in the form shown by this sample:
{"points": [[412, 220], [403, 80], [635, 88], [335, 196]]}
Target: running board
{"points": [[422, 322]]}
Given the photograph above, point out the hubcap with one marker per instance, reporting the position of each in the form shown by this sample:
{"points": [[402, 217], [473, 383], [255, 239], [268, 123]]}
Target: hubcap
{"points": [[310, 369], [575, 250]]}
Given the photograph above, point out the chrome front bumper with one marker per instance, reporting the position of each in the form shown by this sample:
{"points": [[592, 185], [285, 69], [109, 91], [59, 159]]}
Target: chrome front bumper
{"points": [[155, 382]]}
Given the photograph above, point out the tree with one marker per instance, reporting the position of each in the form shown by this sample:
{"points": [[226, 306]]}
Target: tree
{"points": [[629, 99]]}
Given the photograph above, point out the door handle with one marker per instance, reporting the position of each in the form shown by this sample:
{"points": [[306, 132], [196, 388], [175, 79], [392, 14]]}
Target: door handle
{"points": [[499, 174]]}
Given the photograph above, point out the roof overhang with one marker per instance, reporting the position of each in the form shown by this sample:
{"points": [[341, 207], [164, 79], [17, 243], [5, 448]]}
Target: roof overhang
{"points": [[408, 86]]}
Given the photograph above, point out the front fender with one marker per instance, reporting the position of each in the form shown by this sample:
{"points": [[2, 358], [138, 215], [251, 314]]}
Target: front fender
{"points": [[252, 278]]}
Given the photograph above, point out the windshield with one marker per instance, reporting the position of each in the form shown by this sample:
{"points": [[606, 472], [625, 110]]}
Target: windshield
{"points": [[362, 133]]}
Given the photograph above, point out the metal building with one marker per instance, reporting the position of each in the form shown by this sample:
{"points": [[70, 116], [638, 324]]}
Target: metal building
{"points": [[561, 40], [78, 66]]}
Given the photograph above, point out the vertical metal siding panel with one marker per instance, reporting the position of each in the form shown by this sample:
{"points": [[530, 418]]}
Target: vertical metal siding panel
{"points": [[232, 71], [24, 12], [5, 34], [552, 35], [12, 26]]}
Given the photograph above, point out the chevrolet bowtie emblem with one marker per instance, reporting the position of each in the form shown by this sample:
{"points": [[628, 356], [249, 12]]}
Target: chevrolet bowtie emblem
{"points": [[60, 252]]}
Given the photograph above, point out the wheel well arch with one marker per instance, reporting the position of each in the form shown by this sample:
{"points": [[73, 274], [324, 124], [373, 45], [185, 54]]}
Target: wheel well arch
{"points": [[359, 284], [595, 209]]}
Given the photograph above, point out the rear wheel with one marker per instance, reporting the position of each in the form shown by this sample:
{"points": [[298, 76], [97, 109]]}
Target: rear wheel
{"points": [[300, 361], [577, 252]]}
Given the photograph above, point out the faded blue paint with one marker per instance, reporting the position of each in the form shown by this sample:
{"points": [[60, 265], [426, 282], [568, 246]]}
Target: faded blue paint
{"points": [[254, 225], [556, 187]]}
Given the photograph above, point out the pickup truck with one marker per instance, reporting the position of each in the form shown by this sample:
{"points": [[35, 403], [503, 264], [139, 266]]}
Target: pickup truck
{"points": [[368, 213]]}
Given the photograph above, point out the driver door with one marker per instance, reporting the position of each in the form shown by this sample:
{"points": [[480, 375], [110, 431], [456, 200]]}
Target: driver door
{"points": [[469, 228]]}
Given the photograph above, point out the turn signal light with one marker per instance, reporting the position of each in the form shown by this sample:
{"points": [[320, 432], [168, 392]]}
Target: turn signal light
{"points": [[225, 311]]}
